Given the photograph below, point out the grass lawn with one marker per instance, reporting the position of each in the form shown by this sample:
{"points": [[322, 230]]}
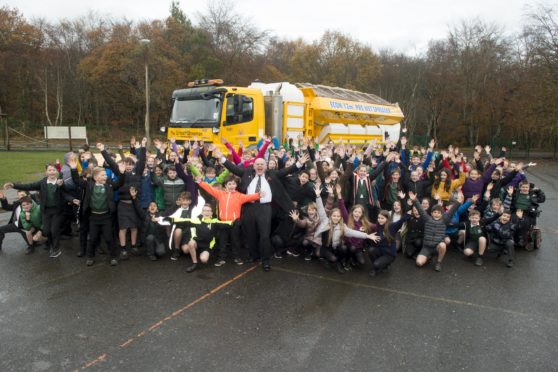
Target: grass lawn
{"points": [[18, 166]]}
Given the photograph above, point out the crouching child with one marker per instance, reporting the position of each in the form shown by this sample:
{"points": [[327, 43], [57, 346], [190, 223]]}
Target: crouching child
{"points": [[155, 234], [204, 230]]}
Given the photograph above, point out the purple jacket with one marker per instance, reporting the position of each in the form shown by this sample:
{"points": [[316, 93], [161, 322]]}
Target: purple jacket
{"points": [[189, 183], [471, 187]]}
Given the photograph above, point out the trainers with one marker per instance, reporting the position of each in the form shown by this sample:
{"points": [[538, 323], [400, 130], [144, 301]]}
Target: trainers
{"points": [[292, 253], [80, 253], [220, 263], [175, 254], [55, 253], [113, 262], [192, 267], [238, 261], [124, 255], [30, 249], [340, 268], [478, 261], [152, 258], [135, 251], [308, 257], [278, 255], [89, 262], [509, 264], [438, 266]]}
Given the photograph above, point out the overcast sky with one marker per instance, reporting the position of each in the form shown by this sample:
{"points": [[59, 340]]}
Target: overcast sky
{"points": [[401, 25]]}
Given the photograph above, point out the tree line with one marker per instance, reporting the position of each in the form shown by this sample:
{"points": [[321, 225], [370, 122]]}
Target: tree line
{"points": [[476, 85]]}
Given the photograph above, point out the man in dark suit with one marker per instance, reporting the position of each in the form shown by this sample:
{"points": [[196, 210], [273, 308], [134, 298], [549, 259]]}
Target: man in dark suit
{"points": [[256, 216]]}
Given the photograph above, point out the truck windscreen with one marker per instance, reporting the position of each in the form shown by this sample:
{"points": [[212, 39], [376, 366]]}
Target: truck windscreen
{"points": [[196, 113]]}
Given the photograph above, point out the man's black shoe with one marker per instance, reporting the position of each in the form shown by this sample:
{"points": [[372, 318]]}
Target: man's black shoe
{"points": [[266, 266], [30, 249], [81, 254]]}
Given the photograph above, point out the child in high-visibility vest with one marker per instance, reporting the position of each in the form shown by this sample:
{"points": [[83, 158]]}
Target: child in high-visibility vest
{"points": [[204, 231]]}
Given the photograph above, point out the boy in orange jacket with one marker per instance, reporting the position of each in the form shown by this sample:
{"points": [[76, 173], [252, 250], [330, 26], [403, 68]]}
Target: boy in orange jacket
{"points": [[230, 202]]}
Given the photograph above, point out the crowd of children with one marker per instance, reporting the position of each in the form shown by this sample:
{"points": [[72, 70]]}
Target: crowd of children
{"points": [[337, 203]]}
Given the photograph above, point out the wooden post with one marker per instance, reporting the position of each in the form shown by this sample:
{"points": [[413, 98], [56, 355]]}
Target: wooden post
{"points": [[70, 136]]}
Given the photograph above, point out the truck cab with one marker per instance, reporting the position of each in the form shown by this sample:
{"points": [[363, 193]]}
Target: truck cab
{"points": [[209, 111]]}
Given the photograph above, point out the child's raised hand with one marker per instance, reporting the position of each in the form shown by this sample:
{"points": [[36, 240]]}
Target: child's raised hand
{"points": [[487, 149], [121, 167], [432, 143], [338, 189], [401, 195], [412, 196], [318, 190], [519, 213], [143, 141], [199, 179], [329, 189], [303, 158], [475, 198], [294, 215], [490, 186], [531, 164], [510, 190], [76, 201], [460, 197], [133, 192], [101, 147], [72, 163], [59, 182]]}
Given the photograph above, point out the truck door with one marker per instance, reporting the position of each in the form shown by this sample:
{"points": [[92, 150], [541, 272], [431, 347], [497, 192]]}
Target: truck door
{"points": [[240, 121]]}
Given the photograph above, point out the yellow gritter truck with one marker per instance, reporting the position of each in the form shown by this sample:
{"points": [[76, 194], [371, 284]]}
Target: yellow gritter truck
{"points": [[210, 110]]}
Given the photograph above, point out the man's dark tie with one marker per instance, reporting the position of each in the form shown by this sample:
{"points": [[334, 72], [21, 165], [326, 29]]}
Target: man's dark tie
{"points": [[259, 184]]}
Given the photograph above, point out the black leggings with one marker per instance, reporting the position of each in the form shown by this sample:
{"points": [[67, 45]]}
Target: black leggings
{"points": [[333, 254], [413, 247], [309, 248], [357, 253], [379, 259]]}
